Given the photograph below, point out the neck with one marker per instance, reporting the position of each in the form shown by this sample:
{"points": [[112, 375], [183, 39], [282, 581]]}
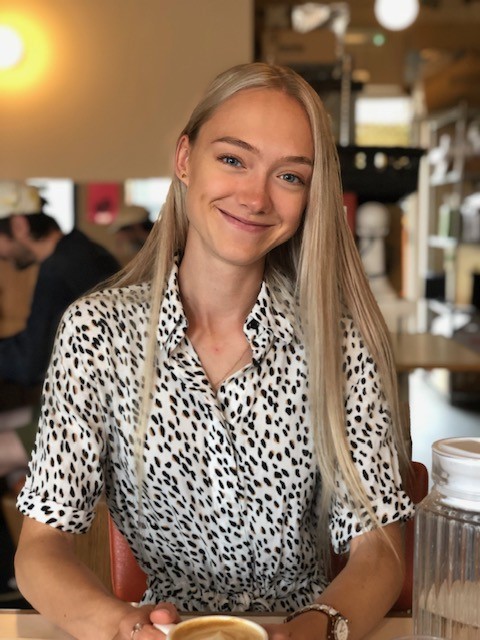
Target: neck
{"points": [[217, 295], [44, 247]]}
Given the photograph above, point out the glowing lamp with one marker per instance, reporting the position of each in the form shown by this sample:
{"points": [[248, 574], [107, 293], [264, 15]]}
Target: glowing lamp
{"points": [[396, 14], [11, 47]]}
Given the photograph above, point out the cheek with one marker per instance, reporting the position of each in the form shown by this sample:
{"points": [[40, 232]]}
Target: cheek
{"points": [[5, 248], [205, 188], [295, 212]]}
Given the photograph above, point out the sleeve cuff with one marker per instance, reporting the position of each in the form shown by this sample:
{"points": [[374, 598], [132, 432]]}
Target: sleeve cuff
{"points": [[65, 518], [346, 524]]}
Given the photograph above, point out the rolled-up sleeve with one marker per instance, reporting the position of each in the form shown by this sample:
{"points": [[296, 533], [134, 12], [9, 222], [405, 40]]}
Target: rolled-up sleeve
{"points": [[369, 433], [65, 476]]}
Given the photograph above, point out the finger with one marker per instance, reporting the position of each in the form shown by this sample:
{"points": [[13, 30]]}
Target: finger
{"points": [[147, 632], [135, 616], [164, 613]]}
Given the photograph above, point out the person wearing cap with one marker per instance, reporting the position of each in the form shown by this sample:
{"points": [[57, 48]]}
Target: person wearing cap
{"points": [[130, 228], [70, 265]]}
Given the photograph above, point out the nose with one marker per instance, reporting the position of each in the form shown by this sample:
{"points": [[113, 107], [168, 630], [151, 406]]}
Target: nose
{"points": [[254, 194]]}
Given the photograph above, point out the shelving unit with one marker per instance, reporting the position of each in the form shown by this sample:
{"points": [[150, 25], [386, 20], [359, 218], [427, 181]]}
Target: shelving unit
{"points": [[449, 173], [453, 174]]}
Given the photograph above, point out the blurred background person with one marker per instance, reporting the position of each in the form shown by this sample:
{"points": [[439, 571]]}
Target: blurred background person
{"points": [[69, 264], [130, 228]]}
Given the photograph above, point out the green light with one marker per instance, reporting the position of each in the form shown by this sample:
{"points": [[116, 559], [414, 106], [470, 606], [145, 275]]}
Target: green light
{"points": [[378, 39]]}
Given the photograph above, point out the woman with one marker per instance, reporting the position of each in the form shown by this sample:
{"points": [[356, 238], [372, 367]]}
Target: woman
{"points": [[233, 392]]}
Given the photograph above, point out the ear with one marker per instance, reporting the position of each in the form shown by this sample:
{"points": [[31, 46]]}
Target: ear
{"points": [[19, 227], [182, 155]]}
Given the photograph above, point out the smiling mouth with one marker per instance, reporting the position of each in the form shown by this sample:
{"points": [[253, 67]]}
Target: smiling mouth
{"points": [[240, 222]]}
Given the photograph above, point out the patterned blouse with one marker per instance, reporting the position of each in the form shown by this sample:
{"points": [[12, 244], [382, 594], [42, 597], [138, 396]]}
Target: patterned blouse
{"points": [[230, 493]]}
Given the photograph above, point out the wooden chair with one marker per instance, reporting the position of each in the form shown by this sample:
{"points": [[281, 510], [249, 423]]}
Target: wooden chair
{"points": [[129, 581], [417, 489]]}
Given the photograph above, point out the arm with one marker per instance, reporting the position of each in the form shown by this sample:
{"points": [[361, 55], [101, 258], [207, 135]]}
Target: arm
{"points": [[24, 357], [54, 581], [363, 591], [65, 481]]}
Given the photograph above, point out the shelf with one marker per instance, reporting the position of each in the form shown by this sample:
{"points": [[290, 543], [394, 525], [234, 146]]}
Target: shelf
{"points": [[441, 307], [445, 117], [382, 174], [442, 242], [452, 177]]}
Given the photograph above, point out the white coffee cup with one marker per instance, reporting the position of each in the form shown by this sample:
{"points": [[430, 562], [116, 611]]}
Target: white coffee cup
{"points": [[214, 627]]}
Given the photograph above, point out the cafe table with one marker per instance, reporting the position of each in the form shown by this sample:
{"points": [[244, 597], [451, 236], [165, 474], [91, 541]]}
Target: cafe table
{"points": [[22, 624], [428, 351]]}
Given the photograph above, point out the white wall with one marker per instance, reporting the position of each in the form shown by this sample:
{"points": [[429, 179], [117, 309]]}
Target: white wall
{"points": [[106, 85]]}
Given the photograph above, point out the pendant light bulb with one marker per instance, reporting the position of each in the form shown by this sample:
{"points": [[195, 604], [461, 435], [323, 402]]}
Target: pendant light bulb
{"points": [[396, 14], [11, 47]]}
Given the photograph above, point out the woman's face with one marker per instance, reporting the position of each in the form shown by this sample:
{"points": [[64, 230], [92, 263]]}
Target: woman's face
{"points": [[247, 176]]}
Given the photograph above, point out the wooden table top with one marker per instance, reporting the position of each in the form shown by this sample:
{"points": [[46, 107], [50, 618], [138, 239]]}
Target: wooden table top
{"points": [[428, 351], [20, 625]]}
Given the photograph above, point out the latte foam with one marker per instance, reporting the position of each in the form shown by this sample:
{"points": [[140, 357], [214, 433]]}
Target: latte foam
{"points": [[217, 628]]}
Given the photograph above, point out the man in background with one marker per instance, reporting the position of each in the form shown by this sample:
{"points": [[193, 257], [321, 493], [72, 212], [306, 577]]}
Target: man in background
{"points": [[69, 265], [130, 228]]}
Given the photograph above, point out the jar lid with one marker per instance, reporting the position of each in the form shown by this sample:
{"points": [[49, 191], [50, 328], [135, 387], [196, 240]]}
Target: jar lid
{"points": [[456, 467]]}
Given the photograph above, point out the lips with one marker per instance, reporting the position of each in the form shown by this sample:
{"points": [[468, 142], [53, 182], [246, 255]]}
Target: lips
{"points": [[242, 223]]}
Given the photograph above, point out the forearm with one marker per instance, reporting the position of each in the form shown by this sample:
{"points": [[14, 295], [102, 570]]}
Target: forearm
{"points": [[60, 587], [365, 590]]}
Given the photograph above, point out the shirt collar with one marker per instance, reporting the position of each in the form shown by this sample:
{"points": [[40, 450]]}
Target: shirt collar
{"points": [[173, 323], [270, 314]]}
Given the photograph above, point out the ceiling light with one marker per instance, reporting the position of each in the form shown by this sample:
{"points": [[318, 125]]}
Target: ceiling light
{"points": [[11, 47], [310, 16], [396, 14]]}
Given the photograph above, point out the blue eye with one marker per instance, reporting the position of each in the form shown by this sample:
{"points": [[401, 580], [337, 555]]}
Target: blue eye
{"points": [[292, 178], [230, 160]]}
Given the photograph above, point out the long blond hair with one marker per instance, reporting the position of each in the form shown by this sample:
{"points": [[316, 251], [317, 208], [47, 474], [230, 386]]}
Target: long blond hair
{"points": [[319, 266]]}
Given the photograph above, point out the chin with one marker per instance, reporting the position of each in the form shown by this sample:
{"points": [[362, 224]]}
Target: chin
{"points": [[241, 258]]}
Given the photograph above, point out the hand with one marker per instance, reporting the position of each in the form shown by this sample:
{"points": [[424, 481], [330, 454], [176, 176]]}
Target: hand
{"points": [[308, 626], [162, 613]]}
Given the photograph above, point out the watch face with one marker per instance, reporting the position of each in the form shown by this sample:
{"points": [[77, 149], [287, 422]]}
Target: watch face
{"points": [[341, 629]]}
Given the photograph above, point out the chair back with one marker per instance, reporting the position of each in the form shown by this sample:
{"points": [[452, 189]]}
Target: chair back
{"points": [[128, 580], [417, 489]]}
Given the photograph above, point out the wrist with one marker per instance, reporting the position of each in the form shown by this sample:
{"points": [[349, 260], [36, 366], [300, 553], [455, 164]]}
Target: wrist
{"points": [[336, 624], [308, 626], [116, 613]]}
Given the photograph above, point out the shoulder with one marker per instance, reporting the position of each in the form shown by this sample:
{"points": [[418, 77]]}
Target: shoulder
{"points": [[99, 325], [357, 359], [110, 305], [351, 338]]}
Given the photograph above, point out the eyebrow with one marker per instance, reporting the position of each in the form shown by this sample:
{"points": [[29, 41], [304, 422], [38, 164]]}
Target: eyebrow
{"points": [[248, 147]]}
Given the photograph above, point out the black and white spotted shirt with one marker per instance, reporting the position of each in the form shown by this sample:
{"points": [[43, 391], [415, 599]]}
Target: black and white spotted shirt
{"points": [[230, 483]]}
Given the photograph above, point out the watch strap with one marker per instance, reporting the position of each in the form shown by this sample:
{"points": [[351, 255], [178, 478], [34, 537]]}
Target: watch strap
{"points": [[332, 614]]}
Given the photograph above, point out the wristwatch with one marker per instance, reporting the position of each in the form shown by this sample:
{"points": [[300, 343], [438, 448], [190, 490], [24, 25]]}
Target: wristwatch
{"points": [[337, 624]]}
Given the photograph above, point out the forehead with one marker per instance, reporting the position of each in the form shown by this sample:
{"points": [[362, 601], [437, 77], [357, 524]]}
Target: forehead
{"points": [[266, 113]]}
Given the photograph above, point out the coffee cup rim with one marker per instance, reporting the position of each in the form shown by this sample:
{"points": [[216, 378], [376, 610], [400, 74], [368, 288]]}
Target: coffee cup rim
{"points": [[220, 616]]}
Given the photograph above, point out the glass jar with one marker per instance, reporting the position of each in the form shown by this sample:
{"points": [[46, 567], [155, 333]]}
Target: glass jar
{"points": [[446, 590]]}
